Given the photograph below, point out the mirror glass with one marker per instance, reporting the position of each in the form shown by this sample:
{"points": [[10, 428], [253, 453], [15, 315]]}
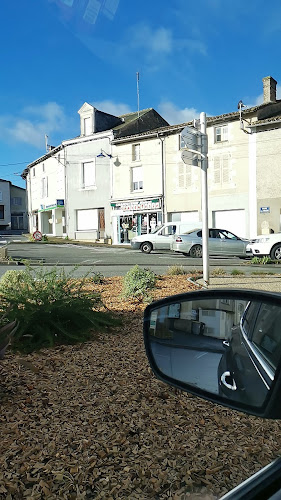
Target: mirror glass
{"points": [[224, 346]]}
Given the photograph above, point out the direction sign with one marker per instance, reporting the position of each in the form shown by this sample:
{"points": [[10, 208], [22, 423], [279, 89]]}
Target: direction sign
{"points": [[190, 158], [189, 138]]}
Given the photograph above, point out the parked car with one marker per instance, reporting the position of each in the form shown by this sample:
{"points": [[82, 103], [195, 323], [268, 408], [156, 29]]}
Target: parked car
{"points": [[221, 242], [161, 237], [251, 357], [266, 244]]}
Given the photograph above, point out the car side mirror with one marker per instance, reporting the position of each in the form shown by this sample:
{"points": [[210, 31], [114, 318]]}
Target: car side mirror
{"points": [[221, 345]]}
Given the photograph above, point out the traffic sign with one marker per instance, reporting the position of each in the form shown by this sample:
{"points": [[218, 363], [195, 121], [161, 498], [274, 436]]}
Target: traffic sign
{"points": [[189, 138], [190, 158]]}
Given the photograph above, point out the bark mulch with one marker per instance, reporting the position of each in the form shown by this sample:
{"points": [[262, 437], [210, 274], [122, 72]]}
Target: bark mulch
{"points": [[92, 422]]}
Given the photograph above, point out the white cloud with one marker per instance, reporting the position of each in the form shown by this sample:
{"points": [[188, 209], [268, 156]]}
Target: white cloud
{"points": [[175, 115], [113, 108], [159, 40], [33, 123]]}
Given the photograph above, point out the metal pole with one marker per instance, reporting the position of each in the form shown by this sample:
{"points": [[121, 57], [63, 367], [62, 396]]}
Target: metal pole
{"points": [[204, 200]]}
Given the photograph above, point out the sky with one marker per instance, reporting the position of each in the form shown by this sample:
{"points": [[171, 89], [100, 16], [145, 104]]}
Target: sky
{"points": [[191, 55]]}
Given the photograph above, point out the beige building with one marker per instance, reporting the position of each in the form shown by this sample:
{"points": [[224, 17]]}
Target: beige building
{"points": [[151, 183]]}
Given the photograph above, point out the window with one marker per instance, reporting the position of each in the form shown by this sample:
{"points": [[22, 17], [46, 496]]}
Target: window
{"points": [[136, 152], [33, 171], [221, 133], [44, 187], [184, 176], [16, 200], [221, 174], [43, 167], [88, 126], [137, 178], [1, 211], [88, 174], [87, 220]]}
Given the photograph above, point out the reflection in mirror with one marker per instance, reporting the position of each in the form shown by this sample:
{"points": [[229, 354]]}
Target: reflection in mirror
{"points": [[224, 346]]}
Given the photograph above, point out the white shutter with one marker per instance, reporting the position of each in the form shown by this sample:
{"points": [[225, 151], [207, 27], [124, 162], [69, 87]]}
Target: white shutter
{"points": [[217, 171], [181, 176], [87, 220], [225, 169]]}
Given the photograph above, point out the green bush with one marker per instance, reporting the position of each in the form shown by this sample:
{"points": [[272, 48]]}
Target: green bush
{"points": [[262, 260], [51, 308], [137, 282], [237, 272], [176, 270]]}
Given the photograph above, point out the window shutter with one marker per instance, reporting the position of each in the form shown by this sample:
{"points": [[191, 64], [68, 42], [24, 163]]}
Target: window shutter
{"points": [[89, 178], [181, 176], [225, 169], [217, 171]]}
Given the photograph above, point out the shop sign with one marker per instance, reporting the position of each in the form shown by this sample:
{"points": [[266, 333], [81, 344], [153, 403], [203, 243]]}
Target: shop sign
{"points": [[264, 210], [137, 205]]}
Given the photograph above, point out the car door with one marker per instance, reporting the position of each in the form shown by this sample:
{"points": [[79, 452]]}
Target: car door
{"points": [[215, 244], [164, 237], [237, 378], [231, 244]]}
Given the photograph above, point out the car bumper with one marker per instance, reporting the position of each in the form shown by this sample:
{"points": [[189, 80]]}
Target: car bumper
{"points": [[260, 249], [135, 245], [179, 247]]}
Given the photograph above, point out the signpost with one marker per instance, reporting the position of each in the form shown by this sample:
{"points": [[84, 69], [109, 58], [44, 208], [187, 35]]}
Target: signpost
{"points": [[194, 145]]}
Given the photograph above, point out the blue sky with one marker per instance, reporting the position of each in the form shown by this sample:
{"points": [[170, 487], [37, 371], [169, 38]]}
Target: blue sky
{"points": [[192, 56]]}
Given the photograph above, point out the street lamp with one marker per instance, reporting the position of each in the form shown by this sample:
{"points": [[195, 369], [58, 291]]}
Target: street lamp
{"points": [[103, 154]]}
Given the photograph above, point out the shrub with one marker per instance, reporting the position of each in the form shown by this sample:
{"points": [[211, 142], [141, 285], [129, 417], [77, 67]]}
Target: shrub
{"points": [[262, 260], [176, 270], [137, 282], [218, 271], [51, 308], [7, 331], [97, 278], [237, 272]]}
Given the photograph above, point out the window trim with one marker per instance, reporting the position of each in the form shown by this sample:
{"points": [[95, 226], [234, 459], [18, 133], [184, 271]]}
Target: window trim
{"points": [[222, 134], [139, 189], [90, 186]]}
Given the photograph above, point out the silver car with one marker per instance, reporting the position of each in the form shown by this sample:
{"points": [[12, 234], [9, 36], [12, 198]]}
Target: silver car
{"points": [[221, 242]]}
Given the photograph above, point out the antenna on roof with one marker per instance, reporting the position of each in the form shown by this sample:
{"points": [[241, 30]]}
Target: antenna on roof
{"points": [[138, 93]]}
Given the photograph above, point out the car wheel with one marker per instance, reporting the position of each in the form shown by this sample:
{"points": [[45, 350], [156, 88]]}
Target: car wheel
{"points": [[275, 253], [146, 247], [196, 251]]}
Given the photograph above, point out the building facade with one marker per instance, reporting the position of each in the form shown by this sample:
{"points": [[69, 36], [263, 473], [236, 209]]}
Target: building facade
{"points": [[13, 213]]}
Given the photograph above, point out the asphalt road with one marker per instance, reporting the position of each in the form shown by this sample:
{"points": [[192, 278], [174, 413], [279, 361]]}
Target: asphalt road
{"points": [[116, 261]]}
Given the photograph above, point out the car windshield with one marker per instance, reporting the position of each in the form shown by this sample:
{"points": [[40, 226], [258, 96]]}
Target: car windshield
{"points": [[119, 119]]}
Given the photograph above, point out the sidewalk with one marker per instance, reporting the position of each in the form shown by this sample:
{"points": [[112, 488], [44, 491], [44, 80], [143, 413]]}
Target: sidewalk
{"points": [[265, 283]]}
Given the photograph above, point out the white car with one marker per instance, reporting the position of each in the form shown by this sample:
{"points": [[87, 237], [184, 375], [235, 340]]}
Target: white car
{"points": [[266, 244]]}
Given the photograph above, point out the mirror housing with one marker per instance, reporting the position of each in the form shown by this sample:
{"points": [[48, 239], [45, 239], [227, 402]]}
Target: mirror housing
{"points": [[221, 345]]}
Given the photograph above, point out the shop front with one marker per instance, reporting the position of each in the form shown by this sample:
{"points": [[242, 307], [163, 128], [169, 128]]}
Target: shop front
{"points": [[134, 217]]}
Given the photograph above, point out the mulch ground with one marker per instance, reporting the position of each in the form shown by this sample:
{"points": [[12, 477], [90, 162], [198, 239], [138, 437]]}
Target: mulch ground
{"points": [[92, 422]]}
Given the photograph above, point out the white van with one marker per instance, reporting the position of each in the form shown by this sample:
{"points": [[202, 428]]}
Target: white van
{"points": [[162, 236]]}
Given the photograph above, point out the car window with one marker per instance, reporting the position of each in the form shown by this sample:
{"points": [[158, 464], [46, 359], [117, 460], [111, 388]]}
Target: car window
{"points": [[199, 234], [266, 333], [168, 230], [249, 317], [214, 233], [228, 235]]}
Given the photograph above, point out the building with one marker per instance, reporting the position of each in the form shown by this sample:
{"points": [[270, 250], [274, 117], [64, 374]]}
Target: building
{"points": [[13, 214], [70, 187], [151, 182]]}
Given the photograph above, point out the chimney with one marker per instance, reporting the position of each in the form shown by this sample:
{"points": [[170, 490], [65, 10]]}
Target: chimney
{"points": [[269, 89]]}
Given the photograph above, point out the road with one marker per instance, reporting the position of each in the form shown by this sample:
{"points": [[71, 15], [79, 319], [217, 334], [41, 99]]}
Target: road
{"points": [[115, 261]]}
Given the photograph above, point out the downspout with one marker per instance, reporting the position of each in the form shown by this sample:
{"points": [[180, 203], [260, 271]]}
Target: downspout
{"points": [[164, 214]]}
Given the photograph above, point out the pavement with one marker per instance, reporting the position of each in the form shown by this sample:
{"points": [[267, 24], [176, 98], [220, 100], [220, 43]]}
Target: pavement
{"points": [[265, 283]]}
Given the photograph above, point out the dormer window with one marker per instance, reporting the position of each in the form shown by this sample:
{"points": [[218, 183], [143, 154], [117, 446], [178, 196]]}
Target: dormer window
{"points": [[88, 126]]}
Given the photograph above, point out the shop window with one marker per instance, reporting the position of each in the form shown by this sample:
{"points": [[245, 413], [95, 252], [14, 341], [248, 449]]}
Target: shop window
{"points": [[137, 179], [221, 133], [1, 211], [88, 174], [136, 152]]}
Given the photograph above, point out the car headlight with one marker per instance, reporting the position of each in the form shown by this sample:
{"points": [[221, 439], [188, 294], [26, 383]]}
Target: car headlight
{"points": [[262, 240]]}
